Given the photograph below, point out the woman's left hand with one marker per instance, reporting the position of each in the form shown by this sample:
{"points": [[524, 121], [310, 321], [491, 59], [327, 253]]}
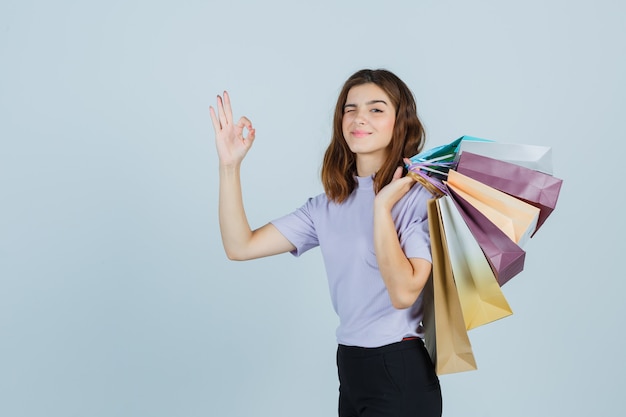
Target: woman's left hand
{"points": [[391, 193]]}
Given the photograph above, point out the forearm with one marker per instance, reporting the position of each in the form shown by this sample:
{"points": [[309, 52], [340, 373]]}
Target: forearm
{"points": [[403, 282], [240, 242], [234, 226]]}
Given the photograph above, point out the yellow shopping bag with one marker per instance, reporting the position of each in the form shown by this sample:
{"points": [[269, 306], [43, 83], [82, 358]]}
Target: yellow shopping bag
{"points": [[445, 336], [481, 297]]}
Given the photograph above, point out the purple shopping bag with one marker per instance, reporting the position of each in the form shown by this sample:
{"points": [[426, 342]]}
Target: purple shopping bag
{"points": [[534, 187], [505, 257]]}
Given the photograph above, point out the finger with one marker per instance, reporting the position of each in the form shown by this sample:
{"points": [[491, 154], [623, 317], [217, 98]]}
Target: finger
{"points": [[404, 181], [227, 107], [220, 112], [397, 174], [216, 123], [251, 135], [242, 123]]}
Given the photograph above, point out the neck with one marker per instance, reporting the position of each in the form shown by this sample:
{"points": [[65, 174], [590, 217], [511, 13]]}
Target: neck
{"points": [[367, 165]]}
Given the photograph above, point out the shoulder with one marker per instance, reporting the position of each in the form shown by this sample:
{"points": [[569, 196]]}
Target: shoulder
{"points": [[312, 206], [414, 202], [418, 195], [318, 201]]}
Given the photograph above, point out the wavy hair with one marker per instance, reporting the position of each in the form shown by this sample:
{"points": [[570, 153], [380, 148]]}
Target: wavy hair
{"points": [[339, 166]]}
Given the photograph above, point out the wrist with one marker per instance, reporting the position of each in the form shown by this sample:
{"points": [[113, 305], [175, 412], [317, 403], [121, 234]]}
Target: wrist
{"points": [[229, 169], [382, 207]]}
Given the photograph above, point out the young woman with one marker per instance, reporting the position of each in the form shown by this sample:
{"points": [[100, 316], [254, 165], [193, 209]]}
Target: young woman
{"points": [[372, 229]]}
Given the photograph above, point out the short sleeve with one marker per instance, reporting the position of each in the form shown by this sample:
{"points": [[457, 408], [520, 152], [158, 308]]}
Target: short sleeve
{"points": [[412, 223], [299, 228]]}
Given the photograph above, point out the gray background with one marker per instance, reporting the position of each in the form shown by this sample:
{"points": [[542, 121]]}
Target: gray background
{"points": [[115, 296]]}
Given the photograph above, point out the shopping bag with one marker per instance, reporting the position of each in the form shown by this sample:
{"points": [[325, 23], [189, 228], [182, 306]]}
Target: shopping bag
{"points": [[481, 297], [516, 218], [446, 152], [445, 335], [505, 257], [430, 167], [534, 157], [534, 187]]}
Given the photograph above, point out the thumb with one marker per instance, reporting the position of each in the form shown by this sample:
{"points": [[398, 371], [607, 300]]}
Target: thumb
{"points": [[249, 139]]}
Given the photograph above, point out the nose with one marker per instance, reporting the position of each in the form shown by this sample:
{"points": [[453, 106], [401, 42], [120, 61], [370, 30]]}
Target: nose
{"points": [[359, 118]]}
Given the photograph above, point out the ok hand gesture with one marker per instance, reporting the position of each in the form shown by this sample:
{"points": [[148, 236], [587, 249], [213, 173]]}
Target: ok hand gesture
{"points": [[231, 144]]}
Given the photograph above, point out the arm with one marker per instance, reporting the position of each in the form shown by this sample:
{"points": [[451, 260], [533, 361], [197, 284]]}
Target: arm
{"points": [[404, 277], [240, 242]]}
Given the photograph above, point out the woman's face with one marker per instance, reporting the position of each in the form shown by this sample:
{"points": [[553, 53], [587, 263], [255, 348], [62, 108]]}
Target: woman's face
{"points": [[368, 120]]}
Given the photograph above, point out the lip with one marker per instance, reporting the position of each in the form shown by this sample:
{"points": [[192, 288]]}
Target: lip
{"points": [[359, 133]]}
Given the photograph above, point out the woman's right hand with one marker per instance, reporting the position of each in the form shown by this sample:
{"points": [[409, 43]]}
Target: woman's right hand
{"points": [[232, 145]]}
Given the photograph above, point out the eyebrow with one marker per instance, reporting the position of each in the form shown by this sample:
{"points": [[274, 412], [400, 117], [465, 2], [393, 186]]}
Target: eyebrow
{"points": [[368, 103]]}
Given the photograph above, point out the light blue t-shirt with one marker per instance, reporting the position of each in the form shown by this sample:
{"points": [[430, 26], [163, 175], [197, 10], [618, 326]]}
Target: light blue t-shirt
{"points": [[344, 233]]}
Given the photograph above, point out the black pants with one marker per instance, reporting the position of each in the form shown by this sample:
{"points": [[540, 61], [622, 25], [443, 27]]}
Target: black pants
{"points": [[397, 380]]}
